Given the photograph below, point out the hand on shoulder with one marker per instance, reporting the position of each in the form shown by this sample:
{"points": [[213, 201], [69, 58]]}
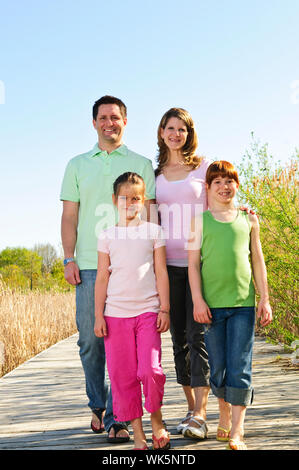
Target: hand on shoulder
{"points": [[253, 219]]}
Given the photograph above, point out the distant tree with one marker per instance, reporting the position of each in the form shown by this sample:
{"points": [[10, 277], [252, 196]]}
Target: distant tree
{"points": [[28, 261], [48, 254], [13, 277]]}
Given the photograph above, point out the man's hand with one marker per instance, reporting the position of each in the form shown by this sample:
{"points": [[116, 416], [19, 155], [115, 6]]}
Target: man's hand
{"points": [[71, 273]]}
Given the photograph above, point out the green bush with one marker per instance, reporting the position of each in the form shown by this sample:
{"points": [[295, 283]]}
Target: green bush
{"points": [[271, 189]]}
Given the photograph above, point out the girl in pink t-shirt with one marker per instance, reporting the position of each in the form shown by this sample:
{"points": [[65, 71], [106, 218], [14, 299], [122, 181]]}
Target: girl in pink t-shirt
{"points": [[132, 310]]}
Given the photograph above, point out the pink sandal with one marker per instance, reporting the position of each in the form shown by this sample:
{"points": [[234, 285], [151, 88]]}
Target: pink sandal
{"points": [[165, 437]]}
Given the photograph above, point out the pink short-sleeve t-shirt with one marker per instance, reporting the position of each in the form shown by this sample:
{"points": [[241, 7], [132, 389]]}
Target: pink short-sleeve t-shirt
{"points": [[178, 202], [132, 284]]}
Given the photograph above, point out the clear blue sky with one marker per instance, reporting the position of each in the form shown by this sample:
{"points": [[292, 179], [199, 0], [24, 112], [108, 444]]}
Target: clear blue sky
{"points": [[231, 63]]}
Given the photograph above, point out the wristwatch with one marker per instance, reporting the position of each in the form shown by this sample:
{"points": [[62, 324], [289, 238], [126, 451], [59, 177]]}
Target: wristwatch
{"points": [[68, 260]]}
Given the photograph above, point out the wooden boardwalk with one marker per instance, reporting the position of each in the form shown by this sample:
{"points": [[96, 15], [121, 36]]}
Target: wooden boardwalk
{"points": [[43, 404]]}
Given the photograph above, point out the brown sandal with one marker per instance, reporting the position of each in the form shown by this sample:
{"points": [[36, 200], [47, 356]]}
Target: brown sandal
{"points": [[99, 414]]}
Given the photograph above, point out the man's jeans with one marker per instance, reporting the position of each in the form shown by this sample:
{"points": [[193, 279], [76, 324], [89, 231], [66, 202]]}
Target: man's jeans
{"points": [[92, 350], [229, 341]]}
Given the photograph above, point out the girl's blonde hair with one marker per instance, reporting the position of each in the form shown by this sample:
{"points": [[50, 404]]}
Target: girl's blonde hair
{"points": [[188, 150]]}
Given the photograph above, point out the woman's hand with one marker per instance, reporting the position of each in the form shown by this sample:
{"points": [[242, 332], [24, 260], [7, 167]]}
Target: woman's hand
{"points": [[246, 209]]}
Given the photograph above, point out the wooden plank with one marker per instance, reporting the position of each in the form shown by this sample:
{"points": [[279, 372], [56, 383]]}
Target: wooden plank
{"points": [[43, 404]]}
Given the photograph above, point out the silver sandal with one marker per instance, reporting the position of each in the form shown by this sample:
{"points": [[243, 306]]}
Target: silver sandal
{"points": [[183, 423], [193, 432]]}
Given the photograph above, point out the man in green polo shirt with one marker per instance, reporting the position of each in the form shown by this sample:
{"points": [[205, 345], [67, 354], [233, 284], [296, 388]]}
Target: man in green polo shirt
{"points": [[87, 209]]}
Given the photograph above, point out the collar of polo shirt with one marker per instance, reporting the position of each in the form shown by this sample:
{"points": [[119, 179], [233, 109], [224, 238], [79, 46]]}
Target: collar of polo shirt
{"points": [[97, 152]]}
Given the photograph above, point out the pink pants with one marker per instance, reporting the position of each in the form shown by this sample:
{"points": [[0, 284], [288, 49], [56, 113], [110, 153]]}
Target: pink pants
{"points": [[133, 355]]}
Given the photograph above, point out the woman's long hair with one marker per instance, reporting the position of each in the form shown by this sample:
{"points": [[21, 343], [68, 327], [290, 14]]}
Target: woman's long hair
{"points": [[190, 146]]}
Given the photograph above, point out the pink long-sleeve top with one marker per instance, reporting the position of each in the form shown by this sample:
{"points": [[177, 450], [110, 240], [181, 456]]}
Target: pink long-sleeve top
{"points": [[179, 201]]}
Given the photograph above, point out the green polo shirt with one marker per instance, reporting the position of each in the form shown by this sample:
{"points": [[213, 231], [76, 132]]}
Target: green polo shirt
{"points": [[89, 179]]}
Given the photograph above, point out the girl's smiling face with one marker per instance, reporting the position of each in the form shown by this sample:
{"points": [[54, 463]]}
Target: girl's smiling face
{"points": [[223, 189], [129, 201]]}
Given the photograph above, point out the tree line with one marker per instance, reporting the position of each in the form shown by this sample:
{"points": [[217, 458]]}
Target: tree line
{"points": [[30, 269]]}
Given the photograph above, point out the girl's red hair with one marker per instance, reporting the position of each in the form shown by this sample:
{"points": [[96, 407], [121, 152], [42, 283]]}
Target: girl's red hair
{"points": [[221, 168]]}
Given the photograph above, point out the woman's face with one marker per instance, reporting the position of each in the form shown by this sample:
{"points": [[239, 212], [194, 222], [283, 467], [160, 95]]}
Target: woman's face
{"points": [[175, 134]]}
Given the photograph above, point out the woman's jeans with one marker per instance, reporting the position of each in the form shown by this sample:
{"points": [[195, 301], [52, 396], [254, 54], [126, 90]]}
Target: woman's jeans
{"points": [[229, 341], [190, 354], [92, 350]]}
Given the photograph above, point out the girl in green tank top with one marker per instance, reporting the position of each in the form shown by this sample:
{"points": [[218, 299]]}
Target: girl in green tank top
{"points": [[226, 242]]}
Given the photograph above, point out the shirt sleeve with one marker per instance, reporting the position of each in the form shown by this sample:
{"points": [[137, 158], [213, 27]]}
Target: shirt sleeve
{"points": [[159, 239], [149, 179], [103, 243], [70, 189]]}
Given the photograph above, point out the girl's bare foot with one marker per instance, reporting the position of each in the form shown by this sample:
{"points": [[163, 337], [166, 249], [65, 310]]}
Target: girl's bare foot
{"points": [[139, 436], [225, 420]]}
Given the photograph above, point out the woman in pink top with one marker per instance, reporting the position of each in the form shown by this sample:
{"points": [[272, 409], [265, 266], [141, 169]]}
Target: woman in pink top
{"points": [[132, 309], [180, 194]]}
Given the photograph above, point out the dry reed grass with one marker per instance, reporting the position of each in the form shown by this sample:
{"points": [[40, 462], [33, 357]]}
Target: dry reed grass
{"points": [[31, 322]]}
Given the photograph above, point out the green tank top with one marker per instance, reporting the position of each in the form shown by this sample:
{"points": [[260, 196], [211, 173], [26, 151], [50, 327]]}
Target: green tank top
{"points": [[226, 270]]}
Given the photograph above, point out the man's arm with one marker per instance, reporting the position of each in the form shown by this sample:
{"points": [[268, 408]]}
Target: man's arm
{"points": [[69, 224]]}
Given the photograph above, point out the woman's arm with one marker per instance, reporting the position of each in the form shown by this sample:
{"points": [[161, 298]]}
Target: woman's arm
{"points": [[162, 283], [264, 312], [100, 293]]}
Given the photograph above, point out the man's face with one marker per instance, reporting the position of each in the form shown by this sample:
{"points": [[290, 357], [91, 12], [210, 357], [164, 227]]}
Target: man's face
{"points": [[110, 124]]}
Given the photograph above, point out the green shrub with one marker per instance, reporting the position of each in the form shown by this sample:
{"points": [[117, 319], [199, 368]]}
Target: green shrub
{"points": [[272, 191]]}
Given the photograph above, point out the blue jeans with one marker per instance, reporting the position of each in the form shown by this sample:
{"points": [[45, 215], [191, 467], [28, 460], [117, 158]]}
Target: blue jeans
{"points": [[92, 350], [229, 342]]}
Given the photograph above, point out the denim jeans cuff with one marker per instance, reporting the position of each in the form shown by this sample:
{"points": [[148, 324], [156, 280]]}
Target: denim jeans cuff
{"points": [[239, 396], [219, 392], [234, 396]]}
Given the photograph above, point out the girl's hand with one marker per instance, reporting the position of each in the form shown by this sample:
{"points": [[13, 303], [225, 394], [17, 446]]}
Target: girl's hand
{"points": [[264, 312], [100, 328], [163, 322], [201, 312]]}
